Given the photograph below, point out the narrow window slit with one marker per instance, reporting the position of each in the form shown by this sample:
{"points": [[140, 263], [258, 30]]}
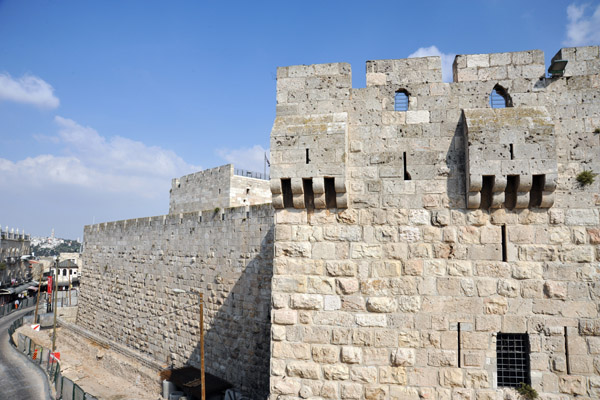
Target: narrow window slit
{"points": [[504, 256], [458, 338], [406, 174], [512, 154], [330, 193], [309, 196], [286, 189], [307, 158], [567, 351]]}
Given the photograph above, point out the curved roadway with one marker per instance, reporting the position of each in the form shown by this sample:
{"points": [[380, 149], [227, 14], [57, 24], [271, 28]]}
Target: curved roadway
{"points": [[19, 378]]}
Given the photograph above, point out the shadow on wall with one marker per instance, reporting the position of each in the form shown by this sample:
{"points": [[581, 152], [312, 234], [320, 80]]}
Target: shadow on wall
{"points": [[237, 340]]}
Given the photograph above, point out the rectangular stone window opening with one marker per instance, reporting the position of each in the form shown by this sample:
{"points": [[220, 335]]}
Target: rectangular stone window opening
{"points": [[309, 196], [286, 189], [535, 197], [512, 358], [486, 191], [330, 193]]}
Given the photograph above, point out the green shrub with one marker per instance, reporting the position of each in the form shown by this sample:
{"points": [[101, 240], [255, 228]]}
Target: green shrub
{"points": [[217, 209], [586, 177], [597, 130], [527, 392]]}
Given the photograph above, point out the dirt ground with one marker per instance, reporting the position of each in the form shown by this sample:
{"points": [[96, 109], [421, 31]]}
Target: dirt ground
{"points": [[99, 371]]}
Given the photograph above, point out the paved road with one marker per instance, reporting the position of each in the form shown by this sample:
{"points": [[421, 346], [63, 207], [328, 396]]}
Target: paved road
{"points": [[19, 378]]}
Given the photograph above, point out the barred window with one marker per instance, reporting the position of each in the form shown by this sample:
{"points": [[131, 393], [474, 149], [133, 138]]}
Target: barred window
{"points": [[512, 354]]}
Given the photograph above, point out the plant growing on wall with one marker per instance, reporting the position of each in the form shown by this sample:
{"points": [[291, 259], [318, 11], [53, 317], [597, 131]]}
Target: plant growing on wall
{"points": [[2, 266], [217, 209], [586, 177], [527, 392], [597, 130]]}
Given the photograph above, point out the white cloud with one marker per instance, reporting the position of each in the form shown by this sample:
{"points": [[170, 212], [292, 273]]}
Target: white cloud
{"points": [[582, 29], [94, 163], [250, 158], [28, 89], [447, 60]]}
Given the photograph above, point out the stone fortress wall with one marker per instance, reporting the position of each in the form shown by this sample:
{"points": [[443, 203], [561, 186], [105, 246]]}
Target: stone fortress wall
{"points": [[399, 246], [216, 187], [407, 243], [130, 268]]}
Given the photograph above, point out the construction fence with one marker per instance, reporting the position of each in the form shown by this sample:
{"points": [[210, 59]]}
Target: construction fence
{"points": [[66, 389]]}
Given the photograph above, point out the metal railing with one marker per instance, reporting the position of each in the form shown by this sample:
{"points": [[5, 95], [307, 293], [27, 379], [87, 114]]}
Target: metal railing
{"points": [[250, 174], [66, 389]]}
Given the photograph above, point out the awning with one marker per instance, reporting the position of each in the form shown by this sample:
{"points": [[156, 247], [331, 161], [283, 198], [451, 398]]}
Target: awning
{"points": [[18, 289]]}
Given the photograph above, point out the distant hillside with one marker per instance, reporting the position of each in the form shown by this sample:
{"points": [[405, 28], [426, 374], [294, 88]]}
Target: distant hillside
{"points": [[67, 246]]}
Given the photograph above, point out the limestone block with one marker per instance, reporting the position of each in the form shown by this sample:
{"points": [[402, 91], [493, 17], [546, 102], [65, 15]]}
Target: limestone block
{"points": [[381, 304], [285, 386], [307, 301], [474, 200], [277, 201], [371, 320], [393, 375], [302, 370], [403, 357], [351, 355], [417, 117], [285, 317], [325, 354], [275, 185], [478, 60], [336, 372], [350, 391], [376, 78], [341, 200]]}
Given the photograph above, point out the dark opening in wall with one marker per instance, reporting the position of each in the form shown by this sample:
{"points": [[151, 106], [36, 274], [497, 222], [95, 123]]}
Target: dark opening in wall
{"points": [[499, 98], [537, 187], [401, 100], [512, 153], [286, 190], [307, 158], [510, 194], [486, 191], [504, 252], [330, 193], [512, 355], [567, 351], [458, 339], [309, 196], [406, 174]]}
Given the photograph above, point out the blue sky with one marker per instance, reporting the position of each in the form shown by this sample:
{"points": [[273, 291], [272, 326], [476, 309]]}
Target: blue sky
{"points": [[102, 103]]}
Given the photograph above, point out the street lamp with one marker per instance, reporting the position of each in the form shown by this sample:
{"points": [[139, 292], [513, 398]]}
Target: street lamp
{"points": [[56, 260], [201, 300]]}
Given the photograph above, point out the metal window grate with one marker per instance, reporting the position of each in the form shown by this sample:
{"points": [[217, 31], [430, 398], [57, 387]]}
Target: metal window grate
{"points": [[512, 352], [496, 100], [401, 102]]}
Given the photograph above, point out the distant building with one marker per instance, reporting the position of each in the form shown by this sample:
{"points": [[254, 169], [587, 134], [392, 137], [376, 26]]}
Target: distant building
{"points": [[14, 252]]}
